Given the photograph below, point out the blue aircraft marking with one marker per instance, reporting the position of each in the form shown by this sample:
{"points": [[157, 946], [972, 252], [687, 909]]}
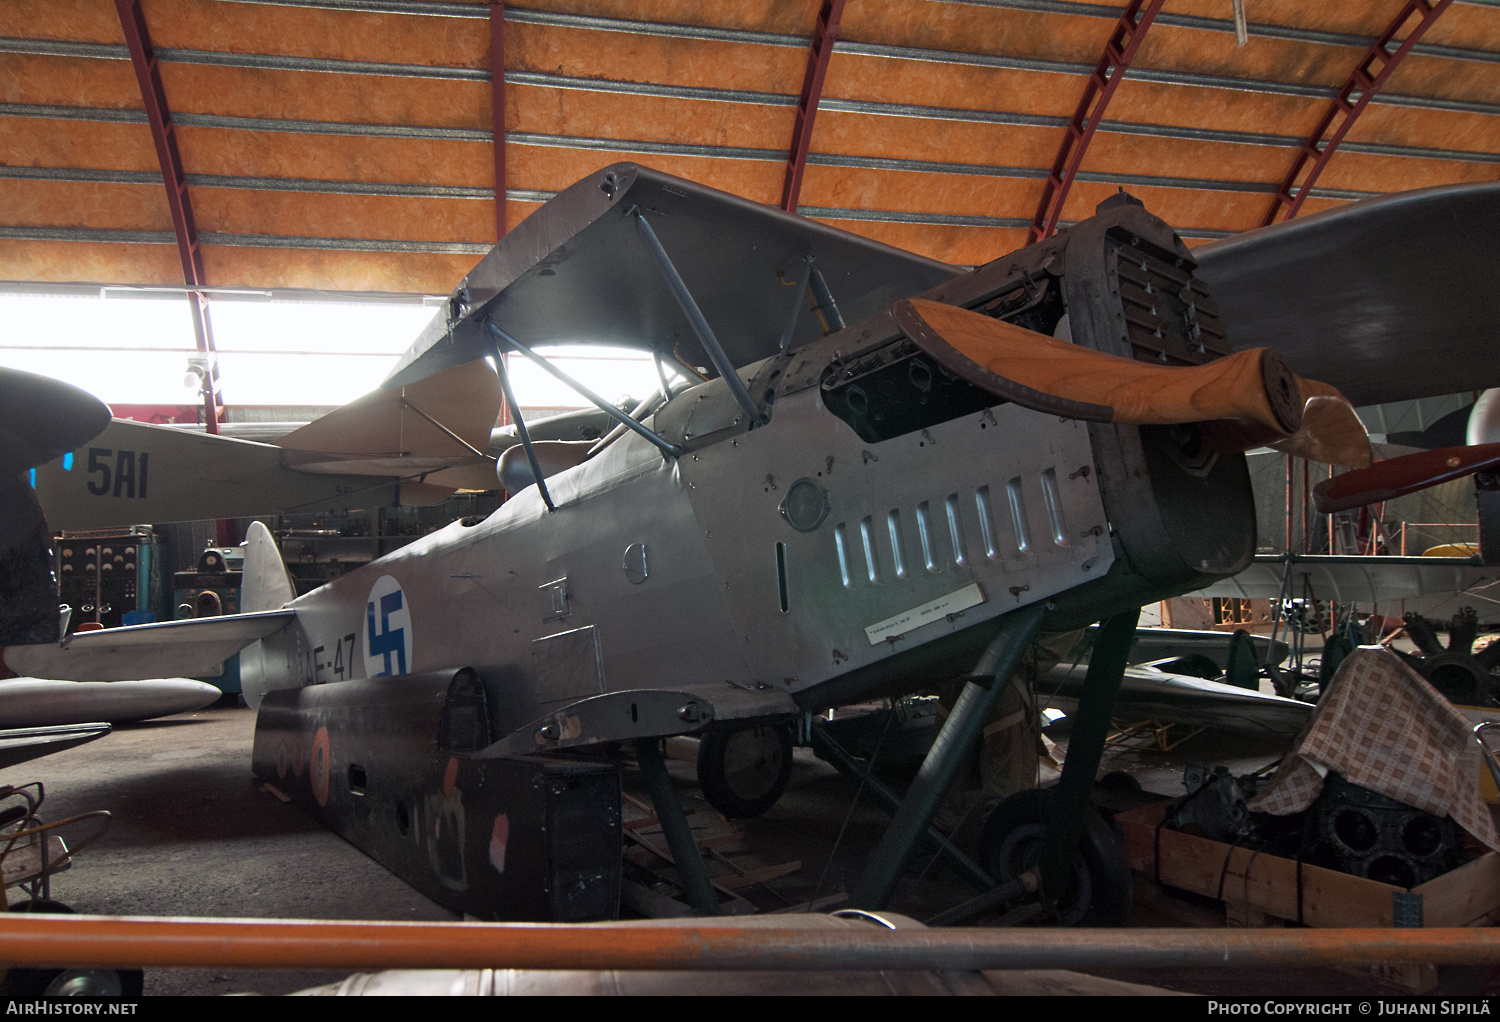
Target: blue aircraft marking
{"points": [[388, 640]]}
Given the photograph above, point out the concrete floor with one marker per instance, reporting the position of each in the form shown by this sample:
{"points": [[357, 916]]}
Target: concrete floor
{"points": [[194, 834]]}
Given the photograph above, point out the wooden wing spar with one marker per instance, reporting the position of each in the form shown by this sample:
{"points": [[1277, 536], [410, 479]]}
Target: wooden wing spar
{"points": [[1245, 400]]}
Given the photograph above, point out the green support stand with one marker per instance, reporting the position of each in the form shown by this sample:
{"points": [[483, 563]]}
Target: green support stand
{"points": [[1096, 704], [674, 825], [990, 676]]}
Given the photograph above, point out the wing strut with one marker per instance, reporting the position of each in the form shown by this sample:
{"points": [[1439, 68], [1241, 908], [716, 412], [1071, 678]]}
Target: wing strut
{"points": [[696, 320], [521, 430], [669, 449]]}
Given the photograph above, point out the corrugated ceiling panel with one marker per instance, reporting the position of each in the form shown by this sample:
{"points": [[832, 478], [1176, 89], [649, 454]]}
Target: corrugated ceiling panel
{"points": [[47, 142], [340, 271], [91, 262], [976, 173]]}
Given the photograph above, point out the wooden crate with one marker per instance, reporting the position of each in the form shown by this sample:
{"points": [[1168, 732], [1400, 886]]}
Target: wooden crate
{"points": [[1258, 888], [1467, 896]]}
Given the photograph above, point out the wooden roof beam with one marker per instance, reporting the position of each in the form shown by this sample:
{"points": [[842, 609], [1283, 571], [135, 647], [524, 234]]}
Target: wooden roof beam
{"points": [[163, 134], [825, 33], [1361, 86], [1097, 92]]}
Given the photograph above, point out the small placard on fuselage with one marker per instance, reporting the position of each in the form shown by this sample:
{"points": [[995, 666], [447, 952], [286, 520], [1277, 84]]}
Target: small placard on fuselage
{"points": [[969, 596]]}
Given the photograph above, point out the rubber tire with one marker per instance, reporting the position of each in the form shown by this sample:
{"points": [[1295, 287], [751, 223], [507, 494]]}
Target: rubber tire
{"points": [[1100, 871], [29, 983], [714, 777]]}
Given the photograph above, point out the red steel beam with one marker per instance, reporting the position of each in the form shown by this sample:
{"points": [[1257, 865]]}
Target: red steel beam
{"points": [[1100, 89], [825, 33], [497, 109], [497, 126], [1360, 87], [148, 74]]}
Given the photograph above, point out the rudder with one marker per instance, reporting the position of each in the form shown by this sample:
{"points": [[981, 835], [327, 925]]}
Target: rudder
{"points": [[266, 584]]}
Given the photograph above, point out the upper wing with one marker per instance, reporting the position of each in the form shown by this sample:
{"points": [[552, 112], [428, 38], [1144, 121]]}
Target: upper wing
{"points": [[574, 272], [171, 649], [1386, 299]]}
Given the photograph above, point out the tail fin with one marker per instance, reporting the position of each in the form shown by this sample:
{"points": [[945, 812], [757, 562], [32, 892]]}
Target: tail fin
{"points": [[266, 583]]}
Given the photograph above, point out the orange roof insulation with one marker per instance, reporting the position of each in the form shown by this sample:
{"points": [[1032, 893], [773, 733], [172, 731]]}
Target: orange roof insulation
{"points": [[348, 144]]}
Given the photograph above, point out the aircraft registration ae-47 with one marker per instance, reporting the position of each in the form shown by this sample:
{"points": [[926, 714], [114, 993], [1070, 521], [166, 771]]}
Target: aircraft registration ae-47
{"points": [[900, 484]]}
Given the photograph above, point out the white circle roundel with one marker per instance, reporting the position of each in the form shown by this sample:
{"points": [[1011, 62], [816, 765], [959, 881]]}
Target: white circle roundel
{"points": [[387, 630]]}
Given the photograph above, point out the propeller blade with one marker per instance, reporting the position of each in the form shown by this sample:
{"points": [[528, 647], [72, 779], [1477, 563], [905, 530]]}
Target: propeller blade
{"points": [[1396, 477], [1048, 375], [1245, 400], [1330, 433]]}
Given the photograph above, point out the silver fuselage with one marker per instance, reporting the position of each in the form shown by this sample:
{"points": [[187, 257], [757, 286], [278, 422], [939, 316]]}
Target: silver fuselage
{"points": [[658, 572]]}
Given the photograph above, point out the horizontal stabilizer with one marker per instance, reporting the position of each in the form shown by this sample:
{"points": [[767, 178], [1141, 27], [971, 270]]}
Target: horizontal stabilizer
{"points": [[136, 472], [18, 745], [166, 650]]}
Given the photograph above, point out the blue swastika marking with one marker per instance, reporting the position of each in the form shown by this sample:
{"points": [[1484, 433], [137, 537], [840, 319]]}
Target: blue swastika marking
{"points": [[388, 640]]}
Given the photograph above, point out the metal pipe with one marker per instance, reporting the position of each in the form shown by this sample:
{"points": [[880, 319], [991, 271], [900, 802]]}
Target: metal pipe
{"points": [[670, 450], [833, 320], [964, 912], [521, 430], [451, 435], [837, 755], [1096, 704], [60, 941], [661, 376], [803, 276], [959, 732], [675, 827], [639, 412], [696, 319]]}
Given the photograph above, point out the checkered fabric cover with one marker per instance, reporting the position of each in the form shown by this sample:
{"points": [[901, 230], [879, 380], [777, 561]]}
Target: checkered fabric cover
{"points": [[1381, 725]]}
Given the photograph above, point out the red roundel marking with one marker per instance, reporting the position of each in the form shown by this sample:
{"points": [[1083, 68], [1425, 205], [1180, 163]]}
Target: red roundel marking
{"points": [[318, 766], [450, 777]]}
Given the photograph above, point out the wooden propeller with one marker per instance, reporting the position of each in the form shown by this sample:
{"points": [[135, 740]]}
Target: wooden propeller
{"points": [[1396, 477], [1246, 400]]}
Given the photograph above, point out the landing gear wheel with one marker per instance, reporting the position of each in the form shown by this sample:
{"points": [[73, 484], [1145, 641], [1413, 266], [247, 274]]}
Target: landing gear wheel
{"points": [[25, 983], [1098, 892], [743, 773]]}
